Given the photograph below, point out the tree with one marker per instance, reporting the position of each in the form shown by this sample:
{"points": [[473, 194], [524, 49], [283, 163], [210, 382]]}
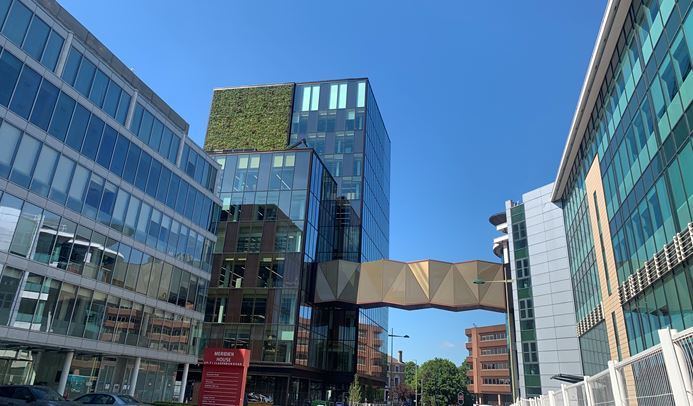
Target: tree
{"points": [[402, 392], [442, 381], [355, 391], [410, 373]]}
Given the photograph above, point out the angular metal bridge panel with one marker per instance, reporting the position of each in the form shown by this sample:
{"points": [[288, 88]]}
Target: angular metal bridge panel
{"points": [[412, 285]]}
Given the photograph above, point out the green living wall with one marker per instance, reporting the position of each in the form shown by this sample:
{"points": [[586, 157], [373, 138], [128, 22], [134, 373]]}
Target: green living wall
{"points": [[250, 118]]}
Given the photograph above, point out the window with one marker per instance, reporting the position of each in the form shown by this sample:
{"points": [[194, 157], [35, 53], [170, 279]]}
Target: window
{"points": [[22, 168], [77, 188], [9, 283], [93, 137], [526, 309], [98, 89], [494, 365], [52, 51], [120, 152], [61, 117], [17, 23], [338, 93], [499, 335], [25, 93], [9, 139], [61, 184], [9, 73], [78, 127], [529, 352], [85, 76], [44, 171], [107, 145], [361, 94], [36, 38], [496, 381], [45, 102], [311, 98]]}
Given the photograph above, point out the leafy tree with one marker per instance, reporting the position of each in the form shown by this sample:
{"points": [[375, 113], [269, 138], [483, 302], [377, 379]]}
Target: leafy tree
{"points": [[410, 373], [442, 381], [355, 391], [402, 392]]}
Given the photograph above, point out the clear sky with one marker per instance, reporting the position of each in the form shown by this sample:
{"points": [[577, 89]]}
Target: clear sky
{"points": [[477, 97]]}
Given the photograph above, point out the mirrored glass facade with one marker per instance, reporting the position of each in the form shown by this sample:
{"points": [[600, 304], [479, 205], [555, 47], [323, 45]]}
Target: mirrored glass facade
{"points": [[106, 238], [266, 244], [639, 133], [277, 221]]}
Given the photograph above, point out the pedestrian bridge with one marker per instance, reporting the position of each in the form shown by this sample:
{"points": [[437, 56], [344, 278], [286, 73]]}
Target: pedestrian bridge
{"points": [[412, 285]]}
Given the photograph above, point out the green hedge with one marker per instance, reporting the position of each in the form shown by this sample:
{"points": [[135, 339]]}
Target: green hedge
{"points": [[250, 118]]}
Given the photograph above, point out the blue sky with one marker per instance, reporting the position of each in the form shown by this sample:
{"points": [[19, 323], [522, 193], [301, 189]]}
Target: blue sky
{"points": [[477, 97]]}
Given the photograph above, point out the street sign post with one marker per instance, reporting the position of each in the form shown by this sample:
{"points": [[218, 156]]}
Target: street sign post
{"points": [[224, 373]]}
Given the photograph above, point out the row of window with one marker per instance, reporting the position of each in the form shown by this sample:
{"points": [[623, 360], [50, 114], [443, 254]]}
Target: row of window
{"points": [[31, 232], [498, 335], [197, 167], [494, 365], [496, 381], [156, 134], [48, 305], [653, 221], [494, 350], [59, 115], [317, 125], [83, 75], [278, 171], [335, 96], [644, 42], [30, 33], [630, 150], [270, 343], [34, 166], [524, 293], [665, 303]]}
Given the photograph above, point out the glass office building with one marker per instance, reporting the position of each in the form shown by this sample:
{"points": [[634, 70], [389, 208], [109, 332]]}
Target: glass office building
{"points": [[626, 182], [306, 351], [107, 216]]}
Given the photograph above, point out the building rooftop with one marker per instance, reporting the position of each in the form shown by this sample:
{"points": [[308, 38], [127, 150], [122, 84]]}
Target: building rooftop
{"points": [[81, 33], [599, 63]]}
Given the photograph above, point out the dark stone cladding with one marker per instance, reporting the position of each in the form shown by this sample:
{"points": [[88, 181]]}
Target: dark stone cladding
{"points": [[94, 45]]}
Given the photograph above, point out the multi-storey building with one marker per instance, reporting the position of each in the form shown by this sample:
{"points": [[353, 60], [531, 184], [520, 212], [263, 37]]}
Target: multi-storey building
{"points": [[544, 316], [626, 182], [107, 215], [489, 361], [273, 224], [396, 375]]}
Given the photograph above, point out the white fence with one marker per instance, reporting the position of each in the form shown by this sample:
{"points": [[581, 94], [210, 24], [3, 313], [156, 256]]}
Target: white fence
{"points": [[659, 376]]}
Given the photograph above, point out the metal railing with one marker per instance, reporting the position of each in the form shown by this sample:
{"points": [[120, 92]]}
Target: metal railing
{"points": [[659, 376]]}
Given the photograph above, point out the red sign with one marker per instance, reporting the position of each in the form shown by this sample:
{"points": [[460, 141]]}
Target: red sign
{"points": [[224, 372]]}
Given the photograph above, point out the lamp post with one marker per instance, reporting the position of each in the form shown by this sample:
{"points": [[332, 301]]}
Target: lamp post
{"points": [[508, 334], [392, 336]]}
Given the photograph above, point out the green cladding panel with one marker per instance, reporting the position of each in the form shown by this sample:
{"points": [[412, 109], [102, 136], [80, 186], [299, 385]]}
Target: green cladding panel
{"points": [[250, 118]]}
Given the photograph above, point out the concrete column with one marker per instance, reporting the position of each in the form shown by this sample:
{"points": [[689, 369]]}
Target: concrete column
{"points": [[674, 367], [183, 383], [62, 59], [133, 376], [131, 109], [62, 384]]}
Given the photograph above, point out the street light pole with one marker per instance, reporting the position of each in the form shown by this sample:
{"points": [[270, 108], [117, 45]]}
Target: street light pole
{"points": [[392, 336]]}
